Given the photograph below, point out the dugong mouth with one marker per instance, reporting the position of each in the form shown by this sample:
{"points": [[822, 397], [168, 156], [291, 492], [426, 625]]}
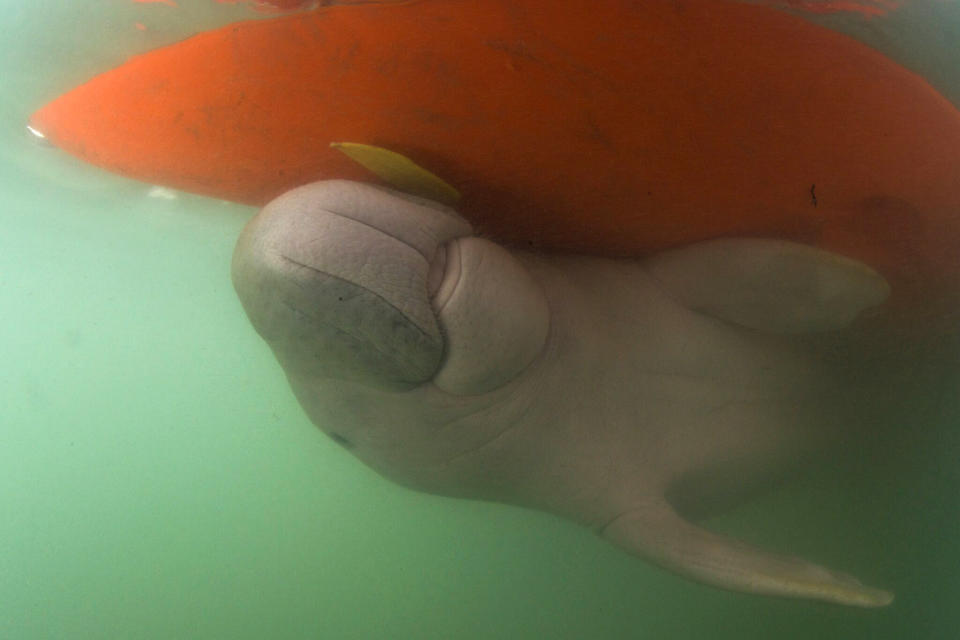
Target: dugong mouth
{"points": [[339, 281]]}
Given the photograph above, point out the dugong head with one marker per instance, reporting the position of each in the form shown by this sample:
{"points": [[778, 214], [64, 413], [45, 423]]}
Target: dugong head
{"points": [[344, 284]]}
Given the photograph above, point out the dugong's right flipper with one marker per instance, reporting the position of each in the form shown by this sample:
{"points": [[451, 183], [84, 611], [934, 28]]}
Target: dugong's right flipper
{"points": [[770, 285], [657, 533]]}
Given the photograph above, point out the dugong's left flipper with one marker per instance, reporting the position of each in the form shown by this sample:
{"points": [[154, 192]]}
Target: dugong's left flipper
{"points": [[657, 533], [770, 285]]}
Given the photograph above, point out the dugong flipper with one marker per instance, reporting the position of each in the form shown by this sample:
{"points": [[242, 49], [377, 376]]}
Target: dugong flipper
{"points": [[587, 387]]}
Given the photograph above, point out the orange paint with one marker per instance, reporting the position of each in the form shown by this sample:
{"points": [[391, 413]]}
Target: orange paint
{"points": [[605, 127]]}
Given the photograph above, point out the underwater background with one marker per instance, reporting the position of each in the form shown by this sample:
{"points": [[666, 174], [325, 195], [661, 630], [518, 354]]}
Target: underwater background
{"points": [[158, 479]]}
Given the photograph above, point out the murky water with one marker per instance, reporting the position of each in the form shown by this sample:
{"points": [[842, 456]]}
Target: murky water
{"points": [[158, 479]]}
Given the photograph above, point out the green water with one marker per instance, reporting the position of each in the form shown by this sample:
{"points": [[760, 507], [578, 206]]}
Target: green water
{"points": [[158, 480]]}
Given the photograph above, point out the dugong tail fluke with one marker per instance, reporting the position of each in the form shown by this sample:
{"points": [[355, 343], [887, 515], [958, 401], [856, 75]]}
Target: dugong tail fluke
{"points": [[657, 533]]}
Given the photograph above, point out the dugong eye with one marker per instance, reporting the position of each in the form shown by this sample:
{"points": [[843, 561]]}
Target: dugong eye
{"points": [[339, 439]]}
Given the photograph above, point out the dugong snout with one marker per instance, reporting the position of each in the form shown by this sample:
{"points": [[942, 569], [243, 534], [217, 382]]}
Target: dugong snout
{"points": [[339, 287], [350, 281]]}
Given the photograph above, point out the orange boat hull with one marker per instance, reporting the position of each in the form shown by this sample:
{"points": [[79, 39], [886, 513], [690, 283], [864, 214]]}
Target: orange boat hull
{"points": [[604, 127]]}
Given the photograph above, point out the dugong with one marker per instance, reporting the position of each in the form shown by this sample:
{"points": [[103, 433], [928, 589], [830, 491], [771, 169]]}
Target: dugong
{"points": [[611, 392]]}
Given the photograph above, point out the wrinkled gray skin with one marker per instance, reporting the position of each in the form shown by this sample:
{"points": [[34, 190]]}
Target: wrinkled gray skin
{"points": [[607, 391]]}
